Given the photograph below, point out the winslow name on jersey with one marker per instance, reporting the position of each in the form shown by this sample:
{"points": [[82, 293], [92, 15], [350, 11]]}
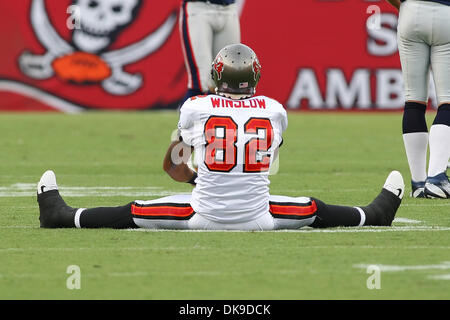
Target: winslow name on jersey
{"points": [[234, 143]]}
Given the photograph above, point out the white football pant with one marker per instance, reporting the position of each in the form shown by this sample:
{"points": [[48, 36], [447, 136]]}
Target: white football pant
{"points": [[205, 29], [175, 212], [423, 36]]}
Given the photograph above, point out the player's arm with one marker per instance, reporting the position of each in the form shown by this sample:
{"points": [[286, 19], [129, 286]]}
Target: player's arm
{"points": [[395, 3], [180, 150], [175, 162]]}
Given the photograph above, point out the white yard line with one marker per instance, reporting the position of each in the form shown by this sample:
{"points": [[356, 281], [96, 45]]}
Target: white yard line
{"points": [[134, 195], [304, 230], [65, 249], [428, 203], [445, 265], [19, 227], [200, 248], [406, 220], [142, 274], [29, 190], [440, 277], [311, 230]]}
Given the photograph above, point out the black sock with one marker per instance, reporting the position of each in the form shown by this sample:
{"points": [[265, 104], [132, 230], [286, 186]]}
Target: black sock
{"points": [[54, 212], [108, 217], [443, 115], [382, 210], [329, 216], [414, 118]]}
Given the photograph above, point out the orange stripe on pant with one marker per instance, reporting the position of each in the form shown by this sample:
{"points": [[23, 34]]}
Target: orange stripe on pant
{"points": [[293, 211], [163, 211]]}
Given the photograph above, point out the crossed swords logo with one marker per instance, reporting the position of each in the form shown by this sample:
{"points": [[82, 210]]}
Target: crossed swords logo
{"points": [[86, 58]]}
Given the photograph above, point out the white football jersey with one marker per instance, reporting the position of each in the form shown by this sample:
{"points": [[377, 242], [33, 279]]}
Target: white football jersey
{"points": [[234, 143]]}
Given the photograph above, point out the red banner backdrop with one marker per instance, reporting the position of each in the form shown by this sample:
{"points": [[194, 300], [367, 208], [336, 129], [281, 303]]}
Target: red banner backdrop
{"points": [[315, 54]]}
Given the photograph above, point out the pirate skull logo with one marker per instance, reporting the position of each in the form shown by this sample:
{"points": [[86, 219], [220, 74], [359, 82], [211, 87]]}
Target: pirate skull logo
{"points": [[101, 21], [86, 58]]}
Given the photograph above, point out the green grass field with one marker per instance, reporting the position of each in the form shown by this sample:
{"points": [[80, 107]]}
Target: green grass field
{"points": [[108, 159]]}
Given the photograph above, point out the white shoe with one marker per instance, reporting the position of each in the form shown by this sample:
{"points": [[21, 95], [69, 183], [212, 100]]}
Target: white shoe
{"points": [[438, 186], [47, 182], [395, 184]]}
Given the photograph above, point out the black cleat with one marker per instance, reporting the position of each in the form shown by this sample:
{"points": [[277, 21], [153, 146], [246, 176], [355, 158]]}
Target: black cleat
{"points": [[53, 211], [382, 210]]}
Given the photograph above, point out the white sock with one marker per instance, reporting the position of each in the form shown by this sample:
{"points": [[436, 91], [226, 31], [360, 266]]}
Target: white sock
{"points": [[416, 146], [77, 217], [363, 216], [439, 149]]}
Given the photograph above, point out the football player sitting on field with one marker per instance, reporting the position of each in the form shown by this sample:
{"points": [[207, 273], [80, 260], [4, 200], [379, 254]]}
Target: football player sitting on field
{"points": [[235, 136]]}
